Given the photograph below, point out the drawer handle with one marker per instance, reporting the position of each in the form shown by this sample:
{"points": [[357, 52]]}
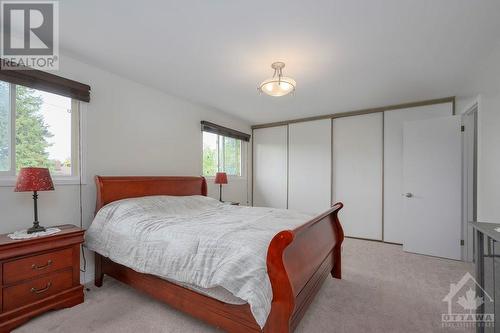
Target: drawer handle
{"points": [[39, 291], [41, 267]]}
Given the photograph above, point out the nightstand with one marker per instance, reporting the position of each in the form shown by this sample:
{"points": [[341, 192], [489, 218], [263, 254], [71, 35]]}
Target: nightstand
{"points": [[38, 275]]}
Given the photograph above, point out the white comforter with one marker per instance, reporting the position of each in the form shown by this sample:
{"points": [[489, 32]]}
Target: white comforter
{"points": [[194, 240]]}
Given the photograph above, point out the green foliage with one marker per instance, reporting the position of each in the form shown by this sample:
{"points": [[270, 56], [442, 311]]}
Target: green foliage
{"points": [[31, 131], [232, 156], [209, 161], [4, 126]]}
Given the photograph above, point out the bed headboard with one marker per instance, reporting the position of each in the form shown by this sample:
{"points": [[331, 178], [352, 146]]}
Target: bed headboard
{"points": [[111, 189]]}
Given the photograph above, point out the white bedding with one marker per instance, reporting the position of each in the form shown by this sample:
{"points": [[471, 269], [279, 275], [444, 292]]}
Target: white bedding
{"points": [[196, 241]]}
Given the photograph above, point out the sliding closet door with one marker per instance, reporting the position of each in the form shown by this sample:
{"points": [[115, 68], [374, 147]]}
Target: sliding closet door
{"points": [[393, 163], [309, 166], [357, 173], [270, 167]]}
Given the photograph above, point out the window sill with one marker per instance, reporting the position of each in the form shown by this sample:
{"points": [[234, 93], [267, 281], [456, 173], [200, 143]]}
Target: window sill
{"points": [[230, 178], [11, 181]]}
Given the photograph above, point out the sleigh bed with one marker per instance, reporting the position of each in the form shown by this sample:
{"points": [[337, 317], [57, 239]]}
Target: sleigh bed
{"points": [[298, 261]]}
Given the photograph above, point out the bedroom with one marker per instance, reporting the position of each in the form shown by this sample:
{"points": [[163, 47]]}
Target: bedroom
{"points": [[186, 89]]}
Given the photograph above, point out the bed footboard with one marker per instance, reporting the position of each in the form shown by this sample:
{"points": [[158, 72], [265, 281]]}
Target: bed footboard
{"points": [[298, 261]]}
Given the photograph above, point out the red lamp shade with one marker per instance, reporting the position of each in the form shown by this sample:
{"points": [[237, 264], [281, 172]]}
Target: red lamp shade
{"points": [[34, 179], [221, 178]]}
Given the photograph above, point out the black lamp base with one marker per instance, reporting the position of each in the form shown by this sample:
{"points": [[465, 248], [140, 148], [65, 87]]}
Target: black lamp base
{"points": [[35, 228], [36, 225]]}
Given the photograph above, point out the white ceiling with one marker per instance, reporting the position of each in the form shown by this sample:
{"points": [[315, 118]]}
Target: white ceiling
{"points": [[344, 55]]}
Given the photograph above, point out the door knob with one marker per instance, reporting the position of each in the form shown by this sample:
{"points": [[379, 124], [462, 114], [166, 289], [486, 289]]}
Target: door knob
{"points": [[408, 195]]}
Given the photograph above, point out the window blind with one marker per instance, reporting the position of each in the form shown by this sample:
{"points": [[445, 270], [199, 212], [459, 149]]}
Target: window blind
{"points": [[36, 79], [207, 126]]}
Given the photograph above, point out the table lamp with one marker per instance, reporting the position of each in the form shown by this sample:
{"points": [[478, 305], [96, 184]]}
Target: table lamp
{"points": [[220, 178], [34, 179]]}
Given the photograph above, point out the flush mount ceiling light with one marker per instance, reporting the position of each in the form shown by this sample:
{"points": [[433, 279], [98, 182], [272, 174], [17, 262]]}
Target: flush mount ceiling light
{"points": [[278, 85]]}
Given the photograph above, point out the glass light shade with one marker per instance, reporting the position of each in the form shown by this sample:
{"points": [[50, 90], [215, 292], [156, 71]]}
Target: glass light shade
{"points": [[278, 87]]}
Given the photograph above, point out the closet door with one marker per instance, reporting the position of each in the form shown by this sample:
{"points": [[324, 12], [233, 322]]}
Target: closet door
{"points": [[270, 167], [393, 163], [309, 166], [357, 173]]}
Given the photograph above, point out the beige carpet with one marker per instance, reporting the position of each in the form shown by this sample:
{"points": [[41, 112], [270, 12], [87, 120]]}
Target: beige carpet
{"points": [[383, 290]]}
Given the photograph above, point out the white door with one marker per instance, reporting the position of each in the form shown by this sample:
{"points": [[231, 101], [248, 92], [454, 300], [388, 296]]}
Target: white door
{"points": [[393, 162], [432, 185], [357, 173], [309, 166], [270, 167]]}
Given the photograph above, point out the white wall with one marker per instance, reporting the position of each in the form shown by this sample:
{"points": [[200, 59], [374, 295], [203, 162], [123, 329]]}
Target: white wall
{"points": [[131, 129], [485, 83]]}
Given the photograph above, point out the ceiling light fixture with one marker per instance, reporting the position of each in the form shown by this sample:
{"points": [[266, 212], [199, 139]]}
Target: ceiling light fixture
{"points": [[278, 85]]}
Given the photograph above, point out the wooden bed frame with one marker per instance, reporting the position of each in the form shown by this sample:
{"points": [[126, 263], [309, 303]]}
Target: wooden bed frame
{"points": [[298, 261]]}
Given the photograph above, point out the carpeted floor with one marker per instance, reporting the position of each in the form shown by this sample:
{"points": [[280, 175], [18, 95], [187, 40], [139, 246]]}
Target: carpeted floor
{"points": [[383, 290]]}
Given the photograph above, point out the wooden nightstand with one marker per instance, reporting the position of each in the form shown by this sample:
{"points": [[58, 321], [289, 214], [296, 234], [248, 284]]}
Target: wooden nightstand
{"points": [[39, 274]]}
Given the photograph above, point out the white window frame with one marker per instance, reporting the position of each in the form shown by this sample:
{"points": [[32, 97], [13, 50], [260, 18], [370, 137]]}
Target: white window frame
{"points": [[8, 178], [12, 133], [243, 154]]}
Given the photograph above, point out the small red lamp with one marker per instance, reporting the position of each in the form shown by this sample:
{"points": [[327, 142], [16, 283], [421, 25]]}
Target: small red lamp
{"points": [[220, 178], [34, 179]]}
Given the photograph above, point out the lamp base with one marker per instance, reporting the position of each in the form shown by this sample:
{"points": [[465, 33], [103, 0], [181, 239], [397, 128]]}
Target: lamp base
{"points": [[35, 228]]}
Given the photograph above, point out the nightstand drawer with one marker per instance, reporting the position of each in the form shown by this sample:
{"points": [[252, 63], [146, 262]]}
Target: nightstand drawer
{"points": [[26, 268], [35, 290]]}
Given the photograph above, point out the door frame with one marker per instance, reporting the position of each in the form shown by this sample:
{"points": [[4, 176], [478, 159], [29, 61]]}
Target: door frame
{"points": [[470, 193]]}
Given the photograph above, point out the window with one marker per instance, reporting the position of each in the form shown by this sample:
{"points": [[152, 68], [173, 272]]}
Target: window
{"points": [[37, 128], [5, 127], [222, 153]]}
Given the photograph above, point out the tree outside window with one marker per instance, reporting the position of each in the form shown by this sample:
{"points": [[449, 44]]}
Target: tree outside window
{"points": [[4, 126], [221, 154], [42, 128]]}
